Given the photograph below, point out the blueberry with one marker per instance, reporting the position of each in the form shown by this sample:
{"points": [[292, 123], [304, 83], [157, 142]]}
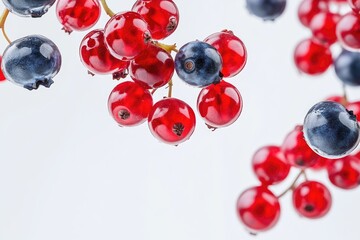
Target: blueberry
{"points": [[198, 64], [347, 67], [331, 130], [26, 8], [266, 9], [31, 61]]}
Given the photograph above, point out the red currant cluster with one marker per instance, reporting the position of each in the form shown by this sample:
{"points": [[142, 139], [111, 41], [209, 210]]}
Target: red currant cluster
{"points": [[313, 55], [258, 207], [129, 44]]}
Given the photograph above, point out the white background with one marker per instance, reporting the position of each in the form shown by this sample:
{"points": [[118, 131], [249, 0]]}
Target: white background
{"points": [[67, 171]]}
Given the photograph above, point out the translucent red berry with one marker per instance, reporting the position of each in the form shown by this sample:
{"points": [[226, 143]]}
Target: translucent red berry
{"points": [[258, 209], [2, 76], [344, 172], [232, 51], [348, 31], [309, 8], [355, 108], [219, 104], [152, 68], [269, 165], [296, 150], [339, 99], [355, 5], [162, 16], [129, 104], [78, 15], [126, 35], [312, 199], [97, 58], [323, 26], [321, 163], [172, 121], [312, 57]]}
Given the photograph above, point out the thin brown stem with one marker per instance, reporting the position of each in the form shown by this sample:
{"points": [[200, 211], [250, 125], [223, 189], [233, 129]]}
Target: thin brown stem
{"points": [[153, 91], [170, 86], [292, 186], [2, 24], [106, 8], [344, 94]]}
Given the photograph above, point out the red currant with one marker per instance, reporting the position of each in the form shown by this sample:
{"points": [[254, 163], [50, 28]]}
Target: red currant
{"points": [[323, 27], [312, 199], [219, 104], [2, 76], [258, 208], [312, 57], [309, 8], [162, 16], [78, 14], [355, 108], [97, 58], [152, 68], [344, 172], [355, 5], [126, 35], [232, 51], [129, 104], [321, 163], [270, 165], [348, 31], [172, 121], [296, 150], [339, 99]]}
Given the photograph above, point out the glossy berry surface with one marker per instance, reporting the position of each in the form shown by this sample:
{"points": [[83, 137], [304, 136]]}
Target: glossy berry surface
{"points": [[162, 16], [258, 208], [296, 150], [347, 67], [269, 165], [29, 8], [129, 104], [266, 9], [152, 68], [323, 26], [312, 199], [312, 57], [126, 35], [348, 31], [219, 104], [172, 121], [355, 5], [232, 51], [331, 130], [355, 108], [96, 56], [344, 172], [78, 15], [2, 76], [198, 64], [31, 61], [309, 8]]}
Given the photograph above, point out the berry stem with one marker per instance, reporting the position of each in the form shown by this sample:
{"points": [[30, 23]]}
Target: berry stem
{"points": [[153, 91], [166, 47], [170, 85], [345, 94], [106, 8], [2, 24], [292, 186]]}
